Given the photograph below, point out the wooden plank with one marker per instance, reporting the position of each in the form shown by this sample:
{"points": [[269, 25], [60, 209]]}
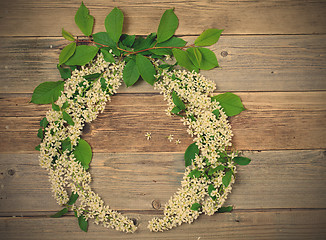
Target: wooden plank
{"points": [[252, 63], [274, 179], [46, 18], [295, 224], [281, 120]]}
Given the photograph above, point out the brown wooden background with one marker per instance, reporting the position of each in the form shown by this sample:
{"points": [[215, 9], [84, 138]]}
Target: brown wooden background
{"points": [[272, 54]]}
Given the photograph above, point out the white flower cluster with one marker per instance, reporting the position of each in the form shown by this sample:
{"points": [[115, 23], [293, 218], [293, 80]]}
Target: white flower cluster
{"points": [[202, 188], [83, 100]]}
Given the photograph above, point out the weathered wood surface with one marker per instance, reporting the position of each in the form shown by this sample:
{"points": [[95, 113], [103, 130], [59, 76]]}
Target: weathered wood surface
{"points": [[252, 63], [129, 181], [273, 120], [274, 224], [40, 18], [272, 54]]}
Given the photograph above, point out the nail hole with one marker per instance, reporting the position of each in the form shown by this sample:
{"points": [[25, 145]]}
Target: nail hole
{"points": [[156, 204], [11, 172], [224, 53], [134, 220]]}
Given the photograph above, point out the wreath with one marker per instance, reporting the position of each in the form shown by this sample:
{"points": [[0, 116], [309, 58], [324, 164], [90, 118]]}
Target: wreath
{"points": [[93, 68]]}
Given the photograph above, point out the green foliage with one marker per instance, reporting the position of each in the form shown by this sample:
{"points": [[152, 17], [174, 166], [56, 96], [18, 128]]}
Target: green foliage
{"points": [[40, 133], [144, 43], [103, 38], [73, 198], [210, 189], [65, 105], [208, 37], [60, 213], [190, 154], [44, 122], [55, 107], [172, 42], [66, 144], [68, 118], [103, 84], [67, 35], [176, 110], [183, 59], [225, 209], [194, 173], [177, 101], [216, 113], [168, 24], [67, 52], [209, 59], [83, 224], [47, 92], [83, 153], [92, 77], [227, 178], [241, 160], [230, 103], [84, 20], [195, 206], [130, 73], [128, 40], [114, 24], [38, 148], [195, 56], [84, 54], [107, 55], [213, 170], [146, 69], [64, 72]]}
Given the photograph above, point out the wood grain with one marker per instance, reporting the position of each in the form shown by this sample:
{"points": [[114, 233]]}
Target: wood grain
{"points": [[130, 182], [46, 18], [275, 224], [252, 63], [281, 120]]}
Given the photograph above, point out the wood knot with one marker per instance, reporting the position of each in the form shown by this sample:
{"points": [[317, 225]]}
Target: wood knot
{"points": [[11, 172], [134, 220], [224, 53], [156, 204]]}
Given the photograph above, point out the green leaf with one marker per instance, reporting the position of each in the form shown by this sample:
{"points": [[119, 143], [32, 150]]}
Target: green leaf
{"points": [[216, 113], [230, 103], [60, 213], [183, 59], [130, 73], [67, 52], [172, 42], [225, 209], [44, 122], [195, 56], [114, 24], [146, 69], [195, 207], [65, 73], [190, 154], [128, 40], [168, 24], [84, 54], [73, 198], [66, 144], [68, 118], [83, 20], [83, 153], [103, 84], [194, 173], [227, 178], [55, 107], [103, 38], [92, 77], [175, 110], [209, 59], [108, 57], [141, 43], [208, 37], [241, 160], [38, 148], [210, 189], [83, 224], [177, 101], [40, 133], [67, 35], [65, 105], [213, 170]]}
